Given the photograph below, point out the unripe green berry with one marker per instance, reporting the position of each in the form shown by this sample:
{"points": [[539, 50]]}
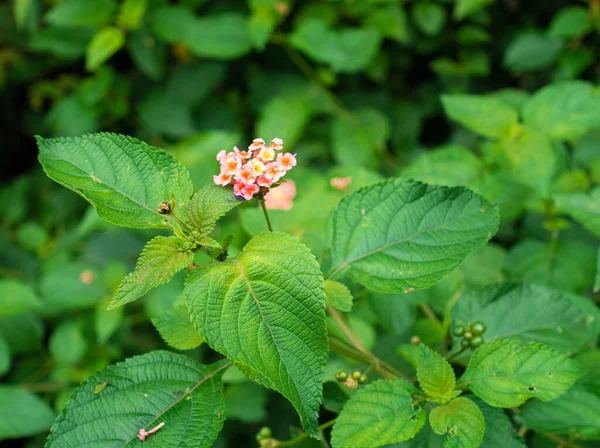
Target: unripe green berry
{"points": [[362, 379], [468, 335], [264, 433], [356, 375], [464, 343], [478, 328], [458, 331], [341, 376], [477, 341]]}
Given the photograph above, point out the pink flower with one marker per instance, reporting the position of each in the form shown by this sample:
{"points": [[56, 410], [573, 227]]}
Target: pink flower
{"points": [[242, 154], [222, 179], [221, 155], [230, 164], [340, 183], [257, 144], [274, 172], [287, 160], [263, 181], [267, 154], [276, 143], [257, 166], [245, 190], [246, 175], [282, 197]]}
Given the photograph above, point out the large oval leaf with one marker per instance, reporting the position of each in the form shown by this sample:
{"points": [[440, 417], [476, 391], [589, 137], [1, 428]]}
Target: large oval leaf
{"points": [[124, 178], [110, 408], [461, 420], [265, 310], [403, 235]]}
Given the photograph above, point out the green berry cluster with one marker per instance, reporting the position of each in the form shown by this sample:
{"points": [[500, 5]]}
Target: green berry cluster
{"points": [[351, 381], [471, 335], [264, 433]]}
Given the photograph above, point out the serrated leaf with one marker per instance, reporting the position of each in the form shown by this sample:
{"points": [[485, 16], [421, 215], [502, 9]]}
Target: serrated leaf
{"points": [[124, 178], [583, 207], [160, 260], [265, 311], [22, 413], [529, 313], [208, 205], [338, 296], [564, 110], [461, 420], [499, 430], [483, 115], [103, 46], [400, 235], [379, 414], [143, 392], [506, 373], [17, 297], [435, 376], [177, 329]]}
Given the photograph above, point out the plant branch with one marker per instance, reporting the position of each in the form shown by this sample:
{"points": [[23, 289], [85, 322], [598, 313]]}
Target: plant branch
{"points": [[303, 436], [266, 213], [561, 442]]}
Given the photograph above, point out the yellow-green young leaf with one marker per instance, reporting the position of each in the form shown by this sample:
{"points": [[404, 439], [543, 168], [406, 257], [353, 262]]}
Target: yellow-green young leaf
{"points": [[381, 413], [483, 115], [208, 205], [506, 373], [564, 110], [429, 17], [464, 8], [338, 296], [583, 207], [265, 310], [67, 344], [461, 421], [160, 260], [436, 376], [21, 11], [22, 414], [124, 178], [102, 46], [131, 13], [17, 297], [400, 235], [177, 329], [141, 393]]}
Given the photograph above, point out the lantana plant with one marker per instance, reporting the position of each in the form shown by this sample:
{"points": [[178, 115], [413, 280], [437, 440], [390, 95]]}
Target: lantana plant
{"points": [[265, 310]]}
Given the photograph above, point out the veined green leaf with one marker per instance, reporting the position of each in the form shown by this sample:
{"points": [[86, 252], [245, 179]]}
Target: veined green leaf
{"points": [[160, 260], [22, 413], [499, 430], [124, 178], [17, 297], [461, 420], [142, 392], [208, 205], [583, 207], [402, 235], [265, 311], [338, 296], [379, 414], [177, 329], [506, 373], [436, 376]]}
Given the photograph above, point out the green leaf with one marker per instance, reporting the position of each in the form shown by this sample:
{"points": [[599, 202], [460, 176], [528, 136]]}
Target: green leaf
{"points": [[597, 279], [486, 116], [106, 322], [531, 51], [160, 260], [22, 414], [103, 46], [527, 313], [22, 332], [70, 287], [131, 13], [359, 140], [427, 232], [506, 373], [583, 207], [379, 414], [208, 205], [461, 420], [564, 110], [576, 414], [142, 392], [223, 36], [499, 430], [532, 159], [22, 9], [265, 311], [67, 344], [5, 356], [464, 8], [571, 23], [435, 375], [177, 329], [17, 297], [262, 22], [338, 296], [124, 178], [148, 55], [246, 402], [285, 116], [391, 21], [429, 17], [81, 13]]}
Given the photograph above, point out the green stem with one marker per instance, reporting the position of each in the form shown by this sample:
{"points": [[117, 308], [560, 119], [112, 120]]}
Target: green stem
{"points": [[266, 213], [303, 436], [457, 354]]}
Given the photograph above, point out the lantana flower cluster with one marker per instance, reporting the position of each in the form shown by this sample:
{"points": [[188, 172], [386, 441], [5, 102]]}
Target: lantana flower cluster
{"points": [[256, 170]]}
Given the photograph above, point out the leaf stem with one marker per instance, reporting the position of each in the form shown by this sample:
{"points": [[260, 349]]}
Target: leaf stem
{"points": [[266, 213], [429, 313], [458, 353], [561, 442], [301, 437]]}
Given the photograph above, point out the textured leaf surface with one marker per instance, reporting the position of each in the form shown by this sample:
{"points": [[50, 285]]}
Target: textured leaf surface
{"points": [[435, 375], [507, 373], [177, 329], [22, 414], [160, 260], [529, 313], [17, 297], [499, 430], [461, 420], [208, 205], [379, 414], [265, 311], [143, 392], [338, 296], [124, 178], [403, 235], [583, 207], [487, 116]]}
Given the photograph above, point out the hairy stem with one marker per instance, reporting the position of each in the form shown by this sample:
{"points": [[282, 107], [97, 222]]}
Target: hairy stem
{"points": [[266, 213], [303, 436]]}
